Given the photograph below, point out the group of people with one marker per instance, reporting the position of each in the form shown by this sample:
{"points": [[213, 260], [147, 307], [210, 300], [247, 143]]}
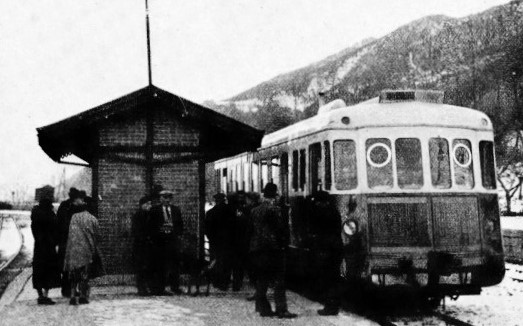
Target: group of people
{"points": [[65, 250], [246, 234]]}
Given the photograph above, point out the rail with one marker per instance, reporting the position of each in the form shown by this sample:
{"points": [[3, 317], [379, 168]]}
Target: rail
{"points": [[448, 320], [13, 256]]}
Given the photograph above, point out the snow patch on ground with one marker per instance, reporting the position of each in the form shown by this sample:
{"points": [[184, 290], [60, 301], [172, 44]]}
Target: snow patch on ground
{"points": [[141, 312]]}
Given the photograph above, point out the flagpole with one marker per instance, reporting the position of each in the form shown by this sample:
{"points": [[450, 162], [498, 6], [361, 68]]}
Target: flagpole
{"points": [[148, 42]]}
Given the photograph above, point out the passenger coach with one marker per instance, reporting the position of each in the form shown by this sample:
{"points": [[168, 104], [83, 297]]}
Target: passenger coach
{"points": [[413, 179]]}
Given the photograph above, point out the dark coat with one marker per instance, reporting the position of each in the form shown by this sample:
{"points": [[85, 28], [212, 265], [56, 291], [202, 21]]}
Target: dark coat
{"points": [[325, 226], [141, 243], [46, 267], [219, 227], [156, 220], [64, 214], [268, 229]]}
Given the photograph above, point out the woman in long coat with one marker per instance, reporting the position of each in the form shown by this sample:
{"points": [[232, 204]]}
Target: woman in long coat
{"points": [[46, 270], [81, 254]]}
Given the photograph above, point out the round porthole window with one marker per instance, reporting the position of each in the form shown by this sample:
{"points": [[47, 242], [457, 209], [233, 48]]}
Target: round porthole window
{"points": [[379, 155], [462, 155]]}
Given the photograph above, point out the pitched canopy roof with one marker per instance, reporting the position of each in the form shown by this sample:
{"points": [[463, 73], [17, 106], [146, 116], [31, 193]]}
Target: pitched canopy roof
{"points": [[77, 134]]}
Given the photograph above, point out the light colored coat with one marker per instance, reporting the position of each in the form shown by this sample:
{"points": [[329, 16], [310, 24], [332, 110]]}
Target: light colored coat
{"points": [[81, 243]]}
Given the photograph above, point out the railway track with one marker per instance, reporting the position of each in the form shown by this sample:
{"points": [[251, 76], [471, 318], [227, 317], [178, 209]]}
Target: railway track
{"points": [[5, 263], [436, 316]]}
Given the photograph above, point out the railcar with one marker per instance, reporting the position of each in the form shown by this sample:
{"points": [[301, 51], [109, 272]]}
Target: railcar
{"points": [[413, 179]]}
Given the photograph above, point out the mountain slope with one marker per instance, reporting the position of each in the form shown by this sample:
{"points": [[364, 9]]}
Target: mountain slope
{"points": [[469, 58]]}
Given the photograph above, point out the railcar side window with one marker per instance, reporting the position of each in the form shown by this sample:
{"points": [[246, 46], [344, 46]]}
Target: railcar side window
{"points": [[264, 173], [285, 175], [379, 163], [439, 163], [302, 169], [246, 183], [488, 175], [409, 166], [255, 177], [345, 170], [328, 173], [275, 170], [295, 170], [463, 167], [315, 166]]}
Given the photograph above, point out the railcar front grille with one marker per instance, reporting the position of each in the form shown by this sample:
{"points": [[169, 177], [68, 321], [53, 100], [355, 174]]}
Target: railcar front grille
{"points": [[397, 222], [456, 223]]}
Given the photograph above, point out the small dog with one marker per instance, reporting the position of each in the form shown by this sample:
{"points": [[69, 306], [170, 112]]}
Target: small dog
{"points": [[200, 271]]}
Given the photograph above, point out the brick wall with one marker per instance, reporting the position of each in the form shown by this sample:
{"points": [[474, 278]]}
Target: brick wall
{"points": [[121, 185]]}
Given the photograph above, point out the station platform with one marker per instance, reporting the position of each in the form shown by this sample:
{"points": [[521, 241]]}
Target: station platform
{"points": [[119, 305]]}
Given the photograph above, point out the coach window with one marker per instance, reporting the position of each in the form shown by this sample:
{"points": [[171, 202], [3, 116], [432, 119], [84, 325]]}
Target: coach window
{"points": [[295, 170], [238, 176], [488, 175], [409, 166], [439, 163], [303, 169], [328, 173], [246, 183], [345, 170], [223, 182], [379, 163], [275, 170], [255, 175], [463, 167], [315, 167], [284, 173], [264, 173]]}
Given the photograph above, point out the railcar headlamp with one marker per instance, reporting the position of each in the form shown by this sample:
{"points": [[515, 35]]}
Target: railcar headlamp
{"points": [[345, 120], [350, 227]]}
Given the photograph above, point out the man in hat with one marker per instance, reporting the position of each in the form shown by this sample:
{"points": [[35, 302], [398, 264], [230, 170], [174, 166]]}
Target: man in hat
{"points": [[326, 244], [63, 215], [165, 229], [141, 245], [268, 242], [218, 228]]}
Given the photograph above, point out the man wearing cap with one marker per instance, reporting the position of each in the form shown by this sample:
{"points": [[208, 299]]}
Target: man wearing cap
{"points": [[218, 228], [64, 215], [268, 242], [165, 231]]}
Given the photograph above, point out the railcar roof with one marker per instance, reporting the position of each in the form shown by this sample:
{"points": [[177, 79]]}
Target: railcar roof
{"points": [[372, 114]]}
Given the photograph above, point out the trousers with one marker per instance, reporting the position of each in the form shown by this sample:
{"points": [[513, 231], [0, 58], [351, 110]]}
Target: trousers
{"points": [[270, 268]]}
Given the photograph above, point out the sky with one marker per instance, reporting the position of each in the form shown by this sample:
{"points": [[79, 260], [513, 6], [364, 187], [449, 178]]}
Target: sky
{"points": [[59, 58]]}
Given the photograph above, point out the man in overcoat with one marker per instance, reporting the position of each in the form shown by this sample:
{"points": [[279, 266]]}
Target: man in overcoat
{"points": [[218, 228], [326, 247], [165, 229], [141, 245], [268, 243], [64, 215]]}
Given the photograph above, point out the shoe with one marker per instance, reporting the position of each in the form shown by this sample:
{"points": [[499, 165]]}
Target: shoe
{"points": [[286, 315], [251, 298], [163, 294], [45, 301], [269, 313], [83, 301], [328, 312], [73, 302], [143, 294]]}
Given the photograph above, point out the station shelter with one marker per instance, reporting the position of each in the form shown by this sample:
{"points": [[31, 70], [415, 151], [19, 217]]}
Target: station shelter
{"points": [[147, 138]]}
